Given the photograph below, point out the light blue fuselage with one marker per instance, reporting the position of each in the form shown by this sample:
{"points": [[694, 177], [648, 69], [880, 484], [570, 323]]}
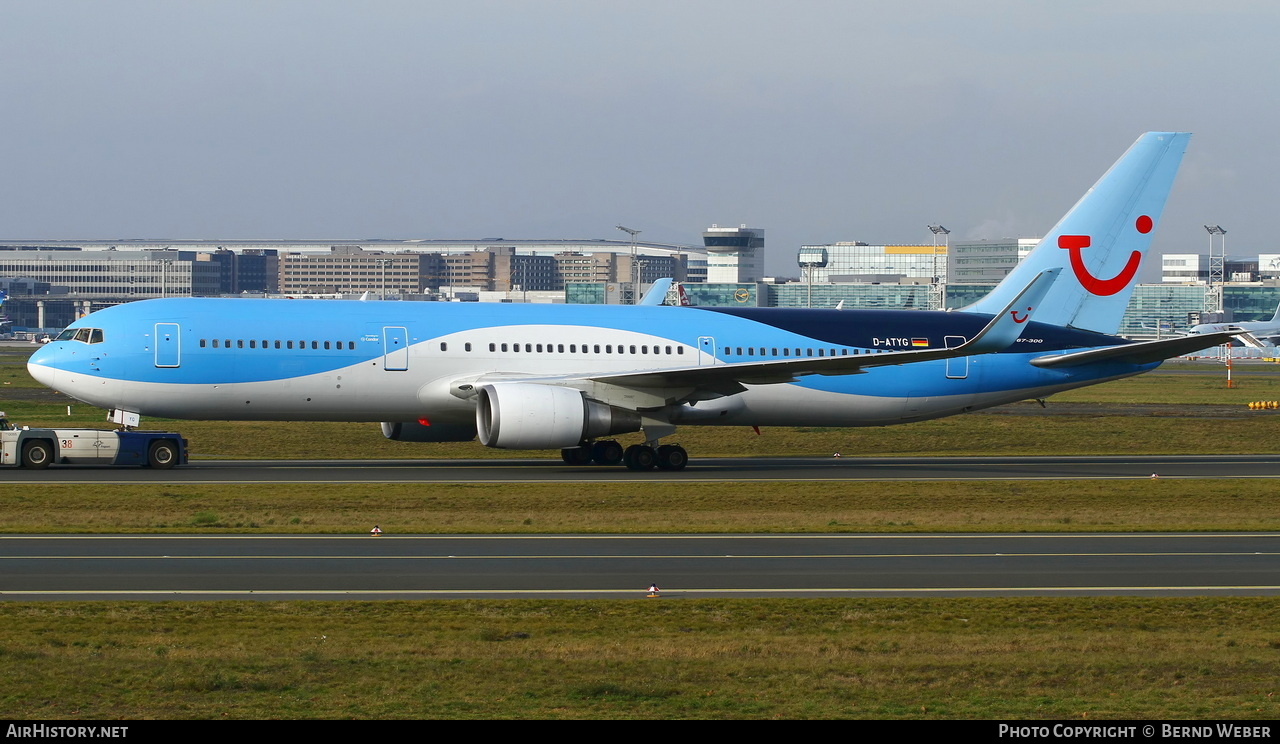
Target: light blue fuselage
{"points": [[241, 359]]}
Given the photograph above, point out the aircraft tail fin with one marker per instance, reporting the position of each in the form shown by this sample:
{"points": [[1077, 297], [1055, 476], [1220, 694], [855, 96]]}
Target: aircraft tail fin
{"points": [[1102, 240], [1276, 318], [657, 293]]}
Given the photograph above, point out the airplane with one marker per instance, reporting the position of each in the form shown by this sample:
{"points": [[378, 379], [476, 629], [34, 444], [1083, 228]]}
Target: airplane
{"points": [[1255, 333], [571, 377]]}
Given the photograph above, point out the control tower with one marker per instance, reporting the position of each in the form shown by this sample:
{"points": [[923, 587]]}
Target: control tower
{"points": [[734, 254]]}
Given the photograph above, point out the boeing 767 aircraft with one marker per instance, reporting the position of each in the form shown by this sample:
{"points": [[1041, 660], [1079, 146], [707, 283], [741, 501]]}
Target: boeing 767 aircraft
{"points": [[570, 377]]}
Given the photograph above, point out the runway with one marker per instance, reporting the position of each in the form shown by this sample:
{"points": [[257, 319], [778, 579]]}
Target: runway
{"points": [[232, 472], [690, 566]]}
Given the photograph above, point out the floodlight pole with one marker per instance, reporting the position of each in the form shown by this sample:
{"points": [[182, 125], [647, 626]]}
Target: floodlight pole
{"points": [[1214, 298], [938, 289], [634, 281]]}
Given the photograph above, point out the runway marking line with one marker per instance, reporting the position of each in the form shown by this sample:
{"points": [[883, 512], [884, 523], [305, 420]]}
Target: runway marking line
{"points": [[702, 536], [638, 556], [632, 591]]}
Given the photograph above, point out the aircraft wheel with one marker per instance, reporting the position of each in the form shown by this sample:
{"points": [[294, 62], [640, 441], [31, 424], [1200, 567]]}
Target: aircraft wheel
{"points": [[672, 457], [640, 457], [580, 455], [607, 452], [162, 455], [37, 454]]}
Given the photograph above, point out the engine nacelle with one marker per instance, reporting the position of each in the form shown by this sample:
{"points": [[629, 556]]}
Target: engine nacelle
{"points": [[417, 431], [522, 415]]}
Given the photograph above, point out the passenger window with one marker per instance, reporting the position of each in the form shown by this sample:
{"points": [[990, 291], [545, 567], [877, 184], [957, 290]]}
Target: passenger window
{"points": [[466, 346], [202, 343]]}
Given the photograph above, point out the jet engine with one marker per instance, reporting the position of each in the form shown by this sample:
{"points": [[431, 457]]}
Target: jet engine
{"points": [[425, 430], [521, 415]]}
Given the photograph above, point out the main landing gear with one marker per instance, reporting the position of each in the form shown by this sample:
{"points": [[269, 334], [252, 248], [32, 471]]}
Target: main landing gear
{"points": [[635, 457]]}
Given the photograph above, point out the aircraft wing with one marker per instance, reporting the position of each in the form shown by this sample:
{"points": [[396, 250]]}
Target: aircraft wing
{"points": [[654, 388], [1139, 353], [1002, 331]]}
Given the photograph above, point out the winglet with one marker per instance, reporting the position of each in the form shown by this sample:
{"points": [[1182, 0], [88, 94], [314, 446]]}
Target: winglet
{"points": [[657, 293], [1008, 325]]}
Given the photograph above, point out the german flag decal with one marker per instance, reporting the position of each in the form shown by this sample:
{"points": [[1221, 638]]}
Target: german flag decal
{"points": [[919, 342]]}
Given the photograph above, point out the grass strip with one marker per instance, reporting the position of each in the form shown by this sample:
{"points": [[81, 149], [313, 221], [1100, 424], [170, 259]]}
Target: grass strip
{"points": [[1093, 658], [885, 506]]}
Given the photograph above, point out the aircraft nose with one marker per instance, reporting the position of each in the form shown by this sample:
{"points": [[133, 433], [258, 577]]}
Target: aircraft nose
{"points": [[42, 365]]}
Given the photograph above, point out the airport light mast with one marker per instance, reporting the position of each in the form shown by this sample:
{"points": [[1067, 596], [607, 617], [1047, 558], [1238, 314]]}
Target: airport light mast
{"points": [[938, 289], [1213, 299], [633, 293]]}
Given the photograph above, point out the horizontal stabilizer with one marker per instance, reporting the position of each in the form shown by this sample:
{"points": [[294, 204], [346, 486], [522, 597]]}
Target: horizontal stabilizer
{"points": [[1140, 353]]}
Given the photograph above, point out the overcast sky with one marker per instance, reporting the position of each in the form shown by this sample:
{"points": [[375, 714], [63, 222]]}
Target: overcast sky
{"points": [[816, 120]]}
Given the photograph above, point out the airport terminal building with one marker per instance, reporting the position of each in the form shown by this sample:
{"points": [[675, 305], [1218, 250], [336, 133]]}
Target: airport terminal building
{"points": [[51, 283]]}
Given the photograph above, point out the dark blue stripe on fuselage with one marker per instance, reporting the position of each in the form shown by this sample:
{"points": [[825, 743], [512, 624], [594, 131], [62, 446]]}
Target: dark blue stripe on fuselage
{"points": [[863, 328]]}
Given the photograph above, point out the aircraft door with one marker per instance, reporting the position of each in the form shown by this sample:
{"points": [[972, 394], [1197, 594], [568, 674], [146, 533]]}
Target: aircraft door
{"points": [[395, 348], [706, 345], [957, 367], [168, 345]]}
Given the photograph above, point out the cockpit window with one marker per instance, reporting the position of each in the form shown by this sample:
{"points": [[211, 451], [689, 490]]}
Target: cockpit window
{"points": [[83, 335]]}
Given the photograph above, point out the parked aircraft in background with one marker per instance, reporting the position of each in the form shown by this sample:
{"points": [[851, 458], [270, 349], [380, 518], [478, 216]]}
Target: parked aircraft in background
{"points": [[570, 377], [1256, 333]]}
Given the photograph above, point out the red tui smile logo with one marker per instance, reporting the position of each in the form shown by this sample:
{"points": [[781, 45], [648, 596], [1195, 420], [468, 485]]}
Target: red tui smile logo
{"points": [[1093, 284], [1023, 319]]}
